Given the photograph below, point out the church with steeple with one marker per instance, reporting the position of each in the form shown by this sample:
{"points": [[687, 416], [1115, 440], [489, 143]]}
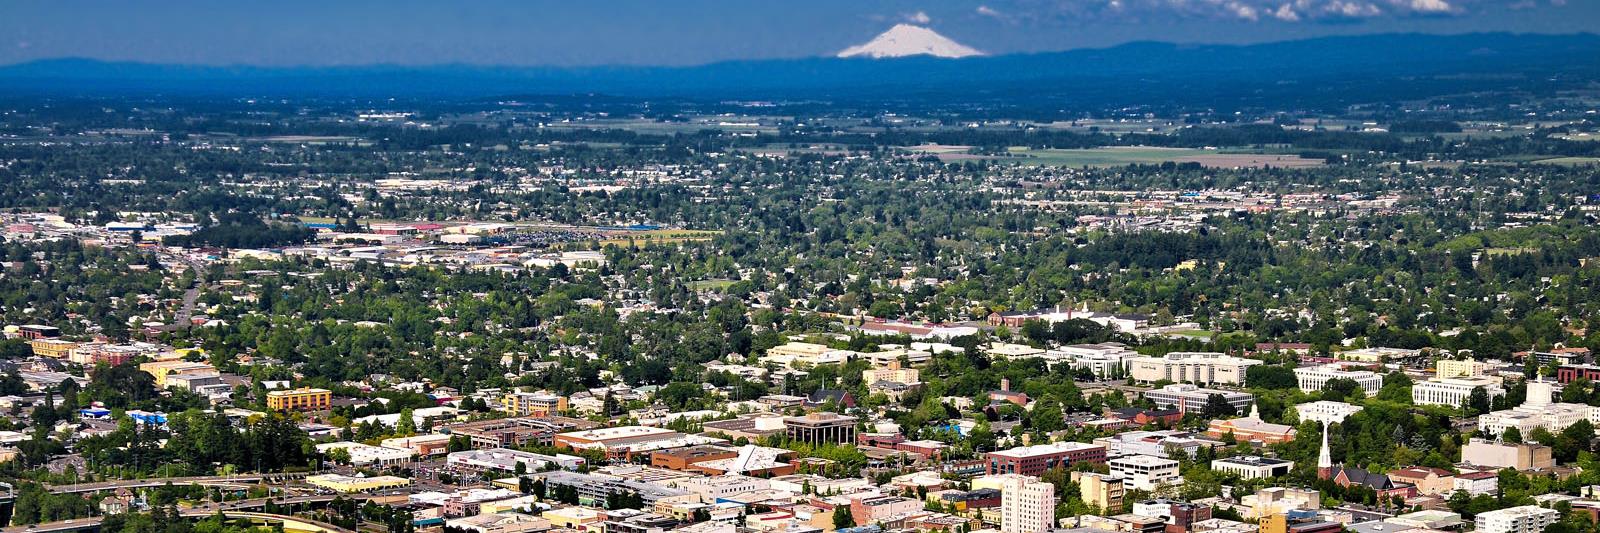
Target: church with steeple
{"points": [[1348, 476]]}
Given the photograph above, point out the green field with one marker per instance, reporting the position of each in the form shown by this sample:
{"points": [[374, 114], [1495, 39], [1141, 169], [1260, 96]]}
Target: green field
{"points": [[1116, 156], [1569, 161]]}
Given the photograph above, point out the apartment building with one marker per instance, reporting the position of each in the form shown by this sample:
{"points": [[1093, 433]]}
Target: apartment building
{"points": [[1027, 505], [1521, 519], [518, 403], [301, 399], [1100, 490]]}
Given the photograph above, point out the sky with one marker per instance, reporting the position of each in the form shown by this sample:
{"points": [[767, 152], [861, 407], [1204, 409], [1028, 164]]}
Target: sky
{"points": [[687, 32]]}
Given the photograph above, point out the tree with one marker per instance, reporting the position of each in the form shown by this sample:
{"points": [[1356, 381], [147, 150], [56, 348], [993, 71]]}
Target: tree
{"points": [[1512, 435], [1217, 406], [842, 518], [1478, 401]]}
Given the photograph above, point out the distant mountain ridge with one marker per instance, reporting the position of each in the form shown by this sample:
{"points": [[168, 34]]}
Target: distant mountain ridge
{"points": [[1144, 70]]}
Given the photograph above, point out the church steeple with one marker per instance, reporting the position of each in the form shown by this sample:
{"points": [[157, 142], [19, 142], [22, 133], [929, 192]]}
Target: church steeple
{"points": [[1325, 457]]}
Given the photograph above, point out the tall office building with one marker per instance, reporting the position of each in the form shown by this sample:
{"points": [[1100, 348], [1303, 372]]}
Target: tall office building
{"points": [[1027, 505]]}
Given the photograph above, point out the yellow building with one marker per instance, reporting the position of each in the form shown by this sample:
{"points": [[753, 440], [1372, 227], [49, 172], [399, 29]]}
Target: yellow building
{"points": [[518, 403], [161, 369], [1451, 368], [574, 518], [301, 399], [342, 483], [1276, 523], [56, 348], [1100, 490]]}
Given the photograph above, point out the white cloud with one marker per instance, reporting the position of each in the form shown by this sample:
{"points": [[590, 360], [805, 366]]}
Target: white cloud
{"points": [[1348, 9], [1278, 11], [1241, 10], [1427, 6], [920, 17]]}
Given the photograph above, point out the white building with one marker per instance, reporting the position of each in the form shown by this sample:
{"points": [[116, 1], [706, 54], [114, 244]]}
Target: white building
{"points": [[1523, 519], [1001, 350], [1538, 412], [1103, 359], [1145, 472], [1312, 379], [1191, 367], [368, 455], [1325, 411], [1161, 443], [1253, 467], [1453, 392], [1377, 355], [1027, 505], [805, 353], [1185, 397]]}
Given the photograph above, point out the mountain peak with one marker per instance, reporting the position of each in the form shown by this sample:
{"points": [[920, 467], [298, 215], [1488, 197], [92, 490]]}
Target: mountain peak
{"points": [[909, 40]]}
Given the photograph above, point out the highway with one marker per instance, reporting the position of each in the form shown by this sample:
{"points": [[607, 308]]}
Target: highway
{"points": [[81, 524]]}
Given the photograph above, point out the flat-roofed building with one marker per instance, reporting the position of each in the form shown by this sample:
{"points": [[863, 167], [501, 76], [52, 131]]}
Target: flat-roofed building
{"points": [[513, 432], [1027, 505], [1325, 411], [1521, 519], [1253, 467], [368, 455], [1144, 472], [301, 399], [1313, 379], [52, 347], [749, 427], [424, 445], [1161, 443], [1496, 454], [821, 428], [805, 353], [1040, 458], [161, 369], [683, 458], [1191, 398], [519, 403], [1200, 368], [348, 484], [1465, 368], [1104, 491], [1453, 392]]}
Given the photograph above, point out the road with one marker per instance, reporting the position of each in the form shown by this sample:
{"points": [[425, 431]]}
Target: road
{"points": [[186, 311]]}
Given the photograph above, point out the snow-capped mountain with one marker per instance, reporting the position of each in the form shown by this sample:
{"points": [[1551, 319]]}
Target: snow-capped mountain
{"points": [[908, 40]]}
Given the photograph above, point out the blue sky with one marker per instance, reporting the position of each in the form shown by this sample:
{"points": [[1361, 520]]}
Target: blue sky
{"points": [[679, 32]]}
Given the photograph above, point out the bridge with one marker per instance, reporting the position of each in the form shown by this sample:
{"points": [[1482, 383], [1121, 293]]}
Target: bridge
{"points": [[241, 482], [291, 524]]}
